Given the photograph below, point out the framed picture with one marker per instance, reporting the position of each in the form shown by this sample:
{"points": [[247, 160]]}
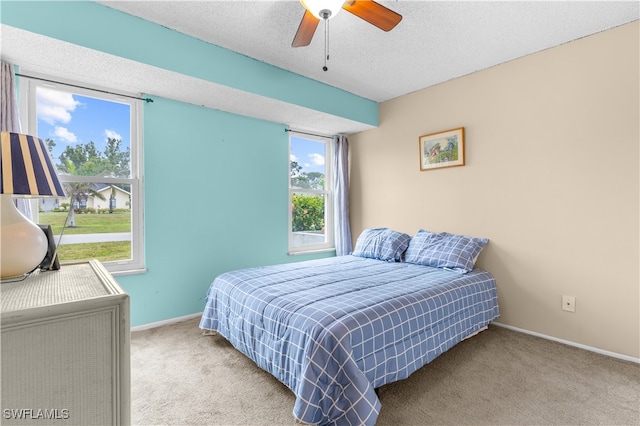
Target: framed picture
{"points": [[442, 149]]}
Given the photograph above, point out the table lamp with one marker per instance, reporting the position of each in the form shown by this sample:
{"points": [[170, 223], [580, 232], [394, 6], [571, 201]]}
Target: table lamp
{"points": [[26, 170]]}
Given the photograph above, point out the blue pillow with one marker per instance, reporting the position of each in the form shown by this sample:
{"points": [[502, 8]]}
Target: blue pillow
{"points": [[381, 243], [444, 250]]}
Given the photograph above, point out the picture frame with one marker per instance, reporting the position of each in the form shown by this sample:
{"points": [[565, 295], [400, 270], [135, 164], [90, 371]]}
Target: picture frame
{"points": [[442, 149]]}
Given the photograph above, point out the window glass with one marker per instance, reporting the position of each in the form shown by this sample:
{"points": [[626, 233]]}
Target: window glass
{"points": [[94, 142], [310, 194]]}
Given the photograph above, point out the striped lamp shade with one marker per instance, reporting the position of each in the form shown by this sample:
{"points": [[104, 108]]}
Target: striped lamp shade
{"points": [[26, 168]]}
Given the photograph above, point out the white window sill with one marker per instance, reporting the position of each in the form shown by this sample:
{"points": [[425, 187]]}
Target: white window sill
{"points": [[324, 250], [128, 272]]}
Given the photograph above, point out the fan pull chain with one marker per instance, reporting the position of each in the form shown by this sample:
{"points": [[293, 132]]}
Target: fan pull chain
{"points": [[326, 44]]}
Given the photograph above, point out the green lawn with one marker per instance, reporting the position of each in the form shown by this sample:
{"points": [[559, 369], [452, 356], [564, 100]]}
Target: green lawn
{"points": [[91, 223], [88, 223], [104, 252]]}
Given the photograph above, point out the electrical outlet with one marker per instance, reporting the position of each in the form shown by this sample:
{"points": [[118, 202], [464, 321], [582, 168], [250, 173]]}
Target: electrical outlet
{"points": [[569, 303]]}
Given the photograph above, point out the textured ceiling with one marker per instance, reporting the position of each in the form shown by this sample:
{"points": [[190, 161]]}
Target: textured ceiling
{"points": [[434, 42]]}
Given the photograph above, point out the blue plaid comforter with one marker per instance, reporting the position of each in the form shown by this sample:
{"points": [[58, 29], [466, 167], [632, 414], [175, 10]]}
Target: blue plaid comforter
{"points": [[335, 329]]}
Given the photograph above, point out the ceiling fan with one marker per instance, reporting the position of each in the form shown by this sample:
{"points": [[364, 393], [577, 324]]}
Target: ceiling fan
{"points": [[317, 10]]}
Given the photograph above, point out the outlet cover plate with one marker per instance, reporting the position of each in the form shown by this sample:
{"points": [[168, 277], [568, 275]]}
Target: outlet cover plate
{"points": [[568, 303]]}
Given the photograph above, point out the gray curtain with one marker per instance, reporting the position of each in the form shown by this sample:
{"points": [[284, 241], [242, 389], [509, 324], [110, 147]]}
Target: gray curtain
{"points": [[341, 209], [10, 119]]}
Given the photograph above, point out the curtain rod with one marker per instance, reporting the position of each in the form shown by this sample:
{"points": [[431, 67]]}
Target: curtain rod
{"points": [[310, 134], [82, 87]]}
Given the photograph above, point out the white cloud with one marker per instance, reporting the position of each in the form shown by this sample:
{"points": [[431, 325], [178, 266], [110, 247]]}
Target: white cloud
{"points": [[293, 157], [316, 159], [64, 134], [54, 106], [110, 134]]}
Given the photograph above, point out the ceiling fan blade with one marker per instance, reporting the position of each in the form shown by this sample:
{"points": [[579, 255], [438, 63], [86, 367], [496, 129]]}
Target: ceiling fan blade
{"points": [[306, 29], [374, 13]]}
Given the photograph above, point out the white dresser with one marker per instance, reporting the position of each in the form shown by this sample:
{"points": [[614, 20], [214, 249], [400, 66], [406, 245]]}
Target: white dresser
{"points": [[65, 338]]}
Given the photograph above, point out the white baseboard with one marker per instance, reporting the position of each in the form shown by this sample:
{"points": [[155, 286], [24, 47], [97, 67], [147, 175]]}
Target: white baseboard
{"points": [[165, 322], [569, 343]]}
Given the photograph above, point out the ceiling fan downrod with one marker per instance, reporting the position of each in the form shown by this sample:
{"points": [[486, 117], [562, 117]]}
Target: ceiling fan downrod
{"points": [[325, 14]]}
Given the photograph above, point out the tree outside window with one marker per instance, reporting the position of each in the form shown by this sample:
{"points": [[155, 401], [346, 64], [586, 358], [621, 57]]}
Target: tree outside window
{"points": [[310, 194]]}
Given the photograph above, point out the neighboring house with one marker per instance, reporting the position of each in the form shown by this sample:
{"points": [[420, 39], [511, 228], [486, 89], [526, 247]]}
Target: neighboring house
{"points": [[122, 200], [49, 204]]}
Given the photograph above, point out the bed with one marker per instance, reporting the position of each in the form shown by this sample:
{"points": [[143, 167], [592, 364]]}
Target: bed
{"points": [[334, 330]]}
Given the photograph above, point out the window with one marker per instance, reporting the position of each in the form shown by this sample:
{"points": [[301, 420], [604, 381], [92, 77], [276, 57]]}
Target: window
{"points": [[94, 140], [310, 194]]}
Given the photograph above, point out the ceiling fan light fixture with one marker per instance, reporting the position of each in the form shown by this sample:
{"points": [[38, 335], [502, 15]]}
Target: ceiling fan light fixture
{"points": [[323, 9]]}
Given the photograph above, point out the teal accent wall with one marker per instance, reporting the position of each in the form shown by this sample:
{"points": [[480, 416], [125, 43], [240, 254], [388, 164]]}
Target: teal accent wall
{"points": [[216, 199], [108, 30]]}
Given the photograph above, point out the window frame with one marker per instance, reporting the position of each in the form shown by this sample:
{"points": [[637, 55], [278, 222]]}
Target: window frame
{"points": [[28, 104], [328, 192]]}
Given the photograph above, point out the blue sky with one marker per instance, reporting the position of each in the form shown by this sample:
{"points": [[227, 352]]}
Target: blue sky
{"points": [[308, 153], [71, 119]]}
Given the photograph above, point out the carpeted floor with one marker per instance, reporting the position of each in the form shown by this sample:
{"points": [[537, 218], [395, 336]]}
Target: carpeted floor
{"points": [[499, 377]]}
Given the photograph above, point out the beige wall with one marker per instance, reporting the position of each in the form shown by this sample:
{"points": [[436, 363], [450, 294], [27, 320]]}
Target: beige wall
{"points": [[551, 178]]}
